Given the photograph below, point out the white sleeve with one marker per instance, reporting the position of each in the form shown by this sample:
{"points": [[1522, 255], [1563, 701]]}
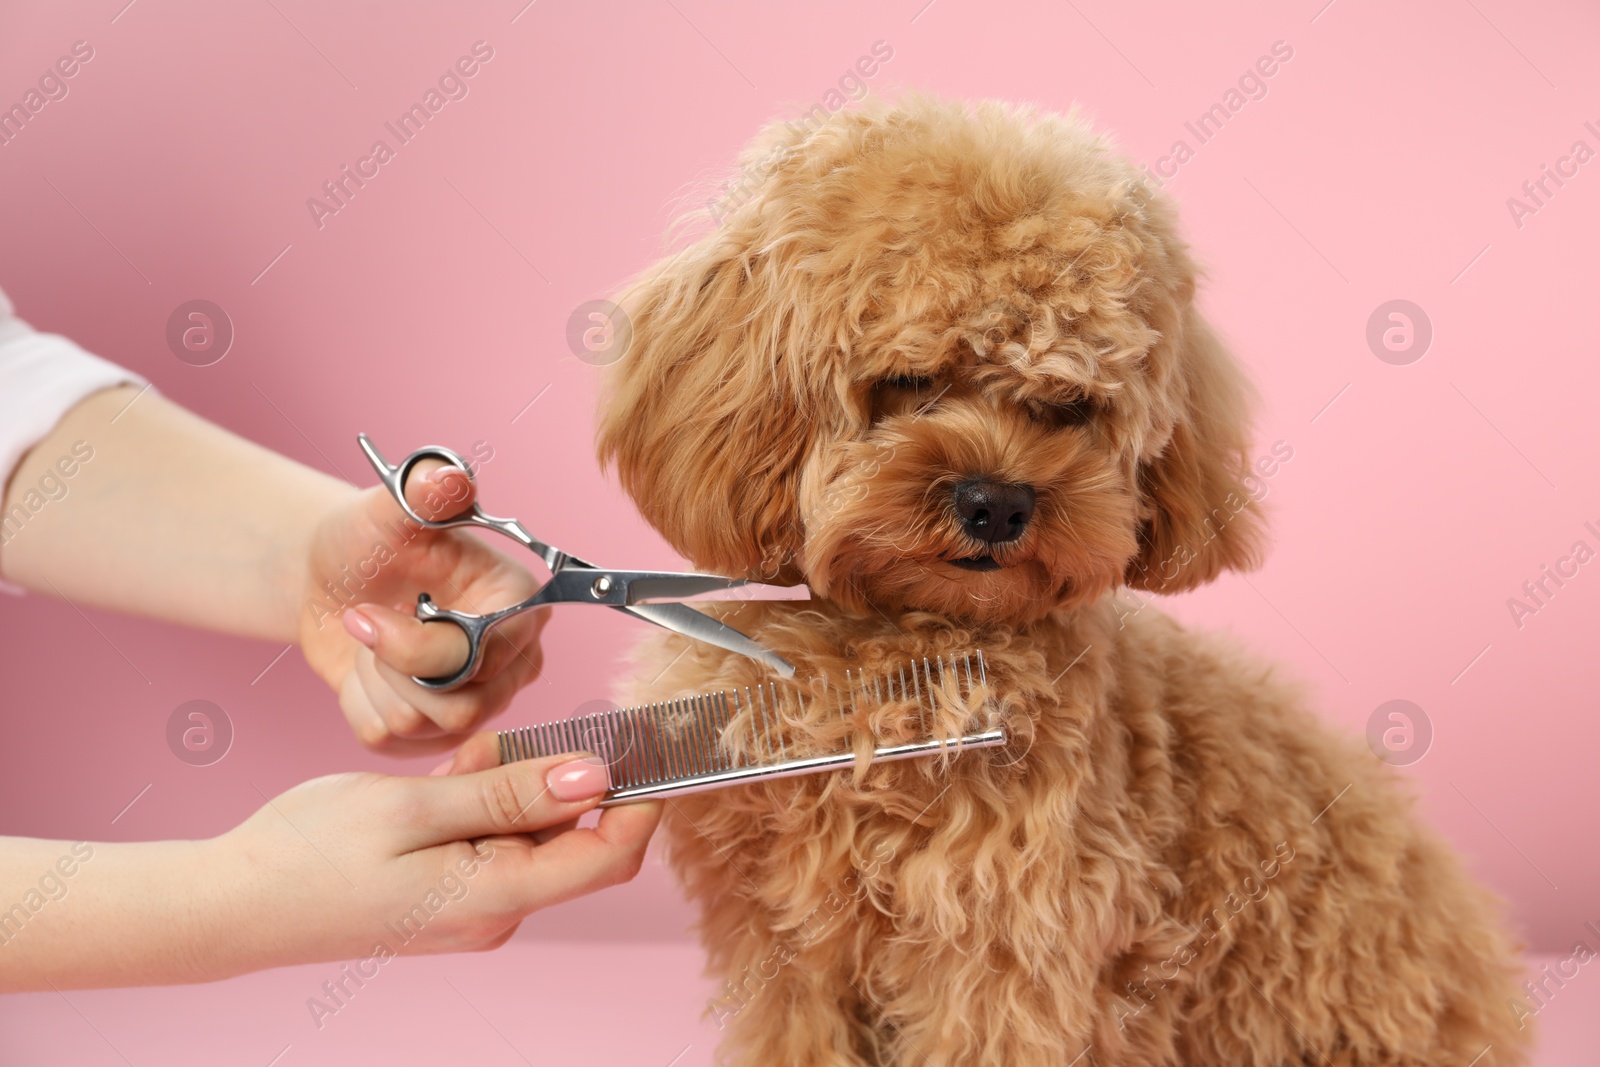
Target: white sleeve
{"points": [[42, 375]]}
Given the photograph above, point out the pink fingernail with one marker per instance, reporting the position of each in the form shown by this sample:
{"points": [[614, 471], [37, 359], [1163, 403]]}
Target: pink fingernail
{"points": [[442, 769], [442, 476], [578, 780], [360, 627]]}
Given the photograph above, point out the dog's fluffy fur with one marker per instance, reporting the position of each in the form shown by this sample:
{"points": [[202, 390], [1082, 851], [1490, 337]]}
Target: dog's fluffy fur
{"points": [[1173, 863]]}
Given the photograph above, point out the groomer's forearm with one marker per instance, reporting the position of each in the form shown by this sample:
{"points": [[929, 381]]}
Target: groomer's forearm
{"points": [[76, 915], [164, 515]]}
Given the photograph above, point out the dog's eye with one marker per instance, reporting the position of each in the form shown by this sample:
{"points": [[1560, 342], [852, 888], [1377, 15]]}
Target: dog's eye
{"points": [[903, 394], [1075, 412], [908, 383]]}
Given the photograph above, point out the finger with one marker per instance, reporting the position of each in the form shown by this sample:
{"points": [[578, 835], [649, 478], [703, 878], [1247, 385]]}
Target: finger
{"points": [[399, 730], [479, 752], [412, 648], [455, 712], [549, 834], [506, 669], [583, 860], [364, 720], [425, 720], [437, 490], [401, 720], [482, 751], [510, 652], [517, 798]]}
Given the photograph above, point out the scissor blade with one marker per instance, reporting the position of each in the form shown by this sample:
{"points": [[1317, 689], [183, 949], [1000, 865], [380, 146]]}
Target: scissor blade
{"points": [[678, 586], [681, 618]]}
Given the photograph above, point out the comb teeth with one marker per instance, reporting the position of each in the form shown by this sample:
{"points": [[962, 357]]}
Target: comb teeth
{"points": [[676, 747]]}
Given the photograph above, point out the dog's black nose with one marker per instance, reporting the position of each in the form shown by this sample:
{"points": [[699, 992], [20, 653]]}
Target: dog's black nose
{"points": [[994, 511]]}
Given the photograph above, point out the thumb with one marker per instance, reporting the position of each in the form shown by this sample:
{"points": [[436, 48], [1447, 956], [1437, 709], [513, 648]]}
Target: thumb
{"points": [[438, 491], [517, 798]]}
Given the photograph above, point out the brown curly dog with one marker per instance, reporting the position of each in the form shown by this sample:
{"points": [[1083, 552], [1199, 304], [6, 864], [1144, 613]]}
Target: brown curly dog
{"points": [[944, 364]]}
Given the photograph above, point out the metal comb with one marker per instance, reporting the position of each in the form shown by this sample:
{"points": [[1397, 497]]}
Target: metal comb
{"points": [[674, 748]]}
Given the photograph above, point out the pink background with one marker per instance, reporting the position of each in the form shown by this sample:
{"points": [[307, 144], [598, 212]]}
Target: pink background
{"points": [[434, 308]]}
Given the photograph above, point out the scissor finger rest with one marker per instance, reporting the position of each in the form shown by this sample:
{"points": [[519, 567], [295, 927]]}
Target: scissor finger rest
{"points": [[473, 627], [394, 477]]}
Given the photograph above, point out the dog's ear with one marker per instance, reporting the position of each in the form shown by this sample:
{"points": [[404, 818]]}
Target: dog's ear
{"points": [[1200, 518], [706, 414]]}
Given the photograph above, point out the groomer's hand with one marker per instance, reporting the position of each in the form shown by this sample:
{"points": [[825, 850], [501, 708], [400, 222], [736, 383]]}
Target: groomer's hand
{"points": [[352, 867], [358, 629], [447, 863], [178, 519]]}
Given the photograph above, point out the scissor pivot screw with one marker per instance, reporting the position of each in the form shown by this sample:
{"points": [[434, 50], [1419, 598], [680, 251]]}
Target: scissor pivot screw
{"points": [[602, 586]]}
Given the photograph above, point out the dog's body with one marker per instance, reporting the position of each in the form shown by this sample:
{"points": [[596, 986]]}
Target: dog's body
{"points": [[1173, 862]]}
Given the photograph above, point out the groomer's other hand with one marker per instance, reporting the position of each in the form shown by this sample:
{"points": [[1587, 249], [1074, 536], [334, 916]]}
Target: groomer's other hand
{"points": [[368, 561], [354, 867], [338, 866]]}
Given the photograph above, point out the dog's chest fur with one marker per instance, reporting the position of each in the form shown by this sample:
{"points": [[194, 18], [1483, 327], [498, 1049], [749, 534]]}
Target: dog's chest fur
{"points": [[1169, 840], [1032, 865]]}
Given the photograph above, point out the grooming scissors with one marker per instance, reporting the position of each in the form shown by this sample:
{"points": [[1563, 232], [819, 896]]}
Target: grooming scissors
{"points": [[572, 581]]}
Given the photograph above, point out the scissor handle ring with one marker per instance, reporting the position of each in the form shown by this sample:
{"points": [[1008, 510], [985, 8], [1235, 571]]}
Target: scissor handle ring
{"points": [[394, 480], [403, 471], [473, 626]]}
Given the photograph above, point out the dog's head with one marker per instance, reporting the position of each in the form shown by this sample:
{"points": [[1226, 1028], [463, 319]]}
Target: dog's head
{"points": [[938, 357]]}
